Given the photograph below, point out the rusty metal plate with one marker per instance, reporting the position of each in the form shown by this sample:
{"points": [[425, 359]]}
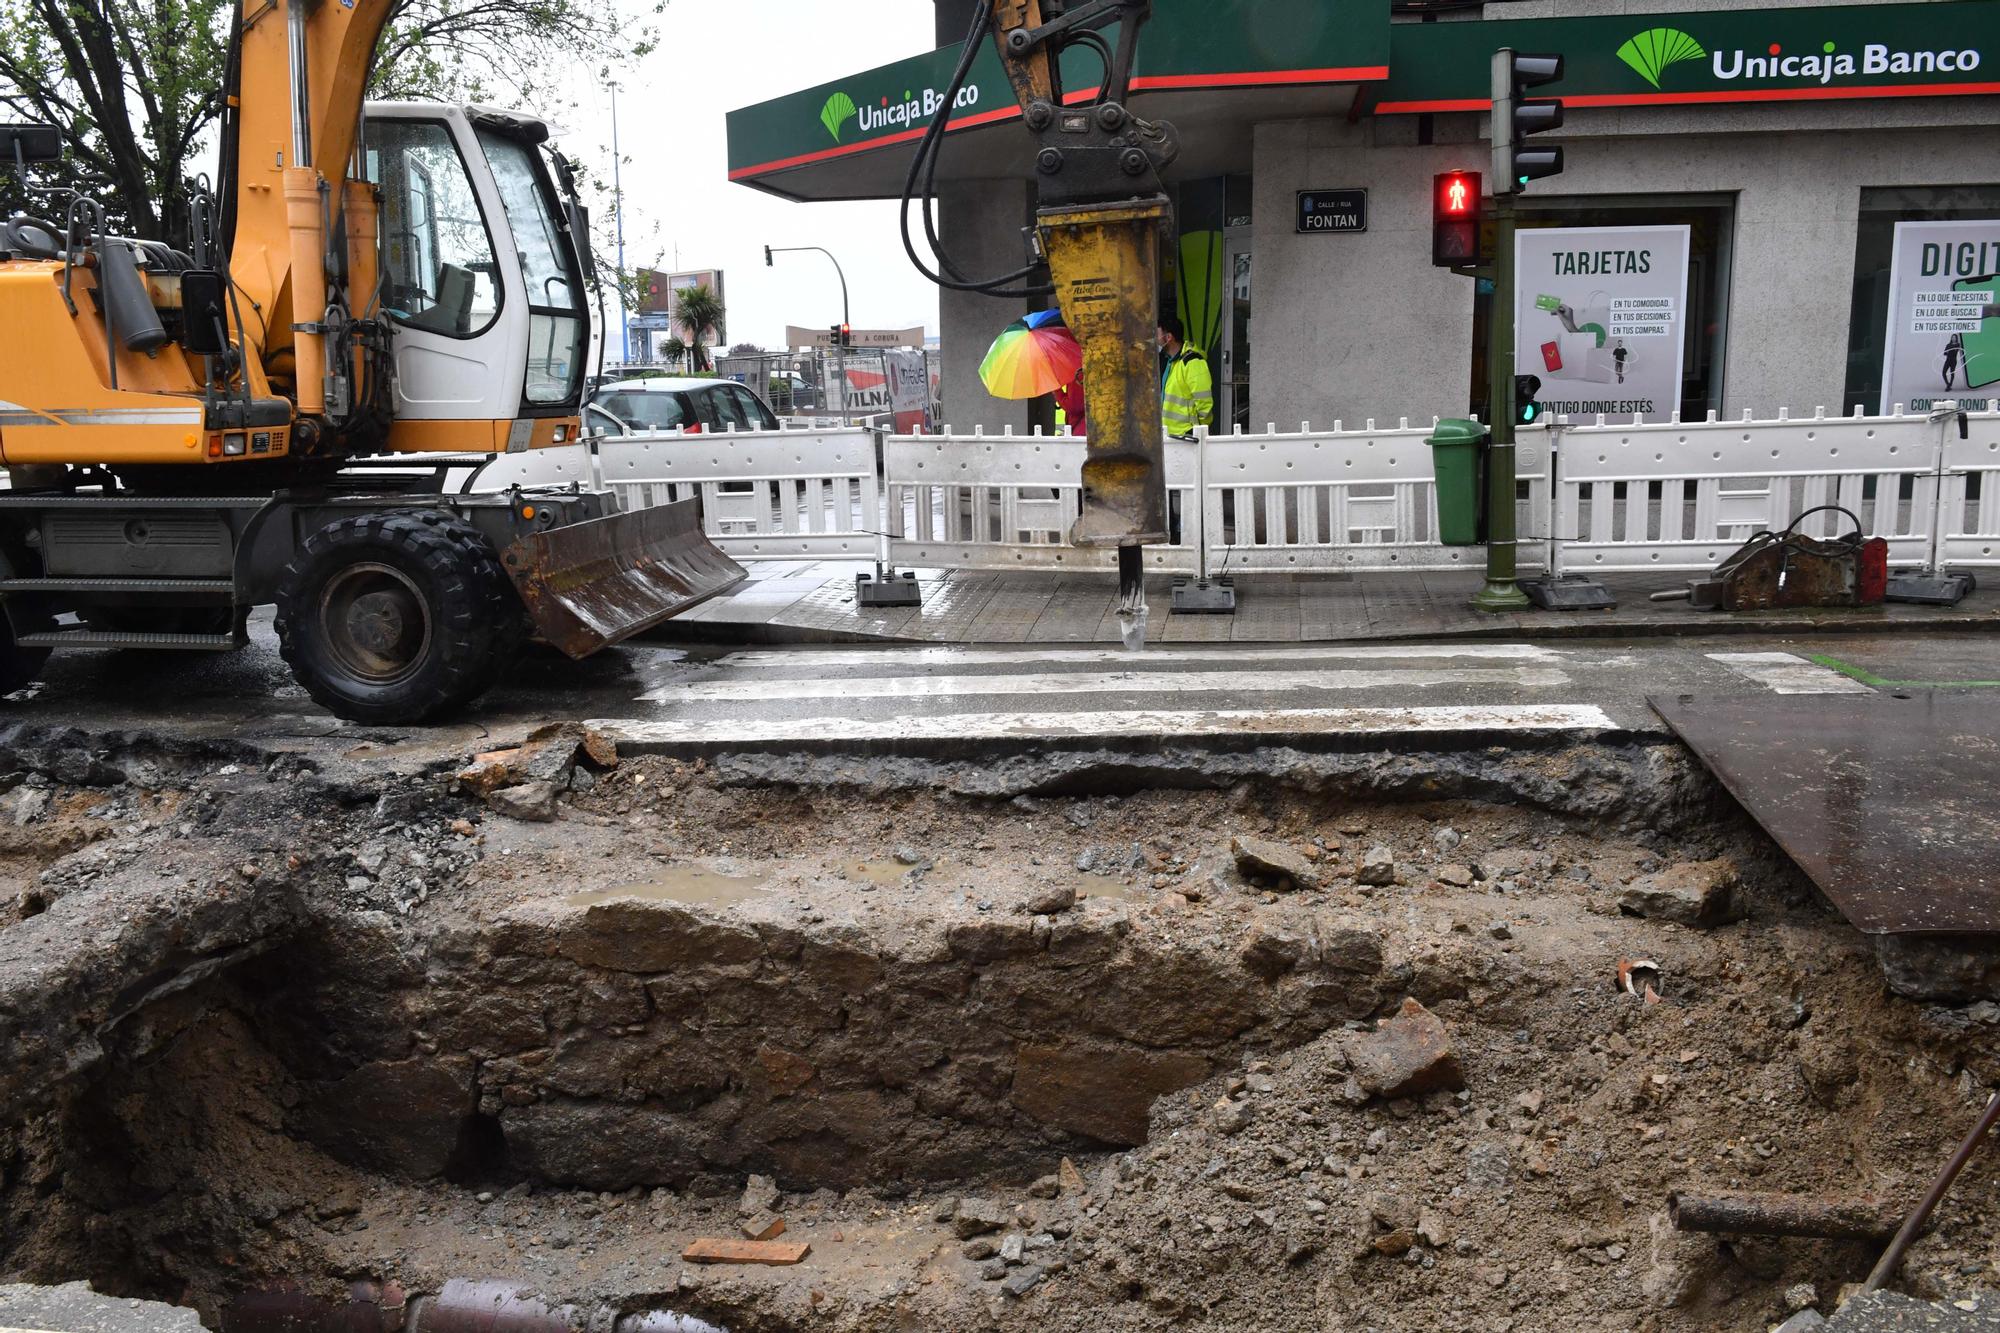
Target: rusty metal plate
{"points": [[1889, 801], [588, 585]]}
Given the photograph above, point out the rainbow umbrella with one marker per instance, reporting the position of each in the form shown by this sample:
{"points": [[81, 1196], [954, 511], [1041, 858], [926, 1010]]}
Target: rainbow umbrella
{"points": [[1031, 357]]}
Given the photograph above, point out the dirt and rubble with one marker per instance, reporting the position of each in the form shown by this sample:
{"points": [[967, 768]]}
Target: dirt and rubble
{"points": [[1343, 1047]]}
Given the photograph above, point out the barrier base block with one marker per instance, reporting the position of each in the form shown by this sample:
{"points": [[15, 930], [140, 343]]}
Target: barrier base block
{"points": [[1568, 592], [1204, 597], [890, 589]]}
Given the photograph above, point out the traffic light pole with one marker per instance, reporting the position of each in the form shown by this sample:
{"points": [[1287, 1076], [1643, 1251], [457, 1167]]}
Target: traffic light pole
{"points": [[1501, 593]]}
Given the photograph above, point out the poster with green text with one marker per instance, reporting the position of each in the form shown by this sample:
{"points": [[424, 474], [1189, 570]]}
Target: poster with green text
{"points": [[1943, 338], [1599, 315]]}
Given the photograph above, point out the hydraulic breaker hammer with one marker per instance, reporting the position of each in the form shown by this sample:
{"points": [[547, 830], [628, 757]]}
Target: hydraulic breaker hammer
{"points": [[1101, 213]]}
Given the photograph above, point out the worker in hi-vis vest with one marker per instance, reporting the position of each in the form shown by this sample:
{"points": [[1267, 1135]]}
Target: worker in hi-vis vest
{"points": [[1187, 390]]}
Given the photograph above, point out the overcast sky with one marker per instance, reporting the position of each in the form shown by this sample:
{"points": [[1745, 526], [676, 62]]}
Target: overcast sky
{"points": [[714, 56]]}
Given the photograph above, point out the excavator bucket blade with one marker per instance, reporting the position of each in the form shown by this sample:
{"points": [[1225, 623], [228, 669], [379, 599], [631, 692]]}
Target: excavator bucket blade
{"points": [[587, 585], [1105, 261]]}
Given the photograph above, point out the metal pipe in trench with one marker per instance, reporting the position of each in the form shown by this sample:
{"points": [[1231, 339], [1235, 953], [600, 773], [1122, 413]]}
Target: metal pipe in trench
{"points": [[1746, 1214]]}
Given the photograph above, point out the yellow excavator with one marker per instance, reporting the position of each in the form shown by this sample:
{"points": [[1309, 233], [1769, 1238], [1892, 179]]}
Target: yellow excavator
{"points": [[1096, 249], [183, 430]]}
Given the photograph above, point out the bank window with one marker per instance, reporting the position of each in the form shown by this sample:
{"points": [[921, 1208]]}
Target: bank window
{"points": [[1936, 355], [1710, 220]]}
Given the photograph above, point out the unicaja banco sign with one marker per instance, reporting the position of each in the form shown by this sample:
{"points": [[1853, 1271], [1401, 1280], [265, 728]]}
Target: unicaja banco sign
{"points": [[912, 110], [1653, 53]]}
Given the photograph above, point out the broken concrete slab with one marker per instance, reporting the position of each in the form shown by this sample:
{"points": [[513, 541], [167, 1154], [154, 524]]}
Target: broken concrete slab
{"points": [[1408, 1054], [1893, 1312], [74, 1308], [1698, 893], [977, 1217], [1276, 863], [531, 802]]}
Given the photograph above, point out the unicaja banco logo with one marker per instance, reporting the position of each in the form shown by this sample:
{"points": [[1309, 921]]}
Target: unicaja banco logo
{"points": [[835, 113], [1656, 48]]}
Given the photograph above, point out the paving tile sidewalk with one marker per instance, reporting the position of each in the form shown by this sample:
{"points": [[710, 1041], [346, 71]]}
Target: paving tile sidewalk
{"points": [[814, 603]]}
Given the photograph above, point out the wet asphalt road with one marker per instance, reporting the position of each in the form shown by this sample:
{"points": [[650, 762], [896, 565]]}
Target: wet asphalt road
{"points": [[772, 694]]}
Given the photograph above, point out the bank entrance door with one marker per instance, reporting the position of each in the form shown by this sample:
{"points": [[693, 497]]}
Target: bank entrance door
{"points": [[1233, 379]]}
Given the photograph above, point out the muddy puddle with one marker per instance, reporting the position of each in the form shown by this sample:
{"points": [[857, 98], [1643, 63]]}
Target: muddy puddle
{"points": [[692, 885]]}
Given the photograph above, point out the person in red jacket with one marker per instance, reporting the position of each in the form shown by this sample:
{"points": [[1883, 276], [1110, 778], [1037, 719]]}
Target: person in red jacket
{"points": [[1070, 406]]}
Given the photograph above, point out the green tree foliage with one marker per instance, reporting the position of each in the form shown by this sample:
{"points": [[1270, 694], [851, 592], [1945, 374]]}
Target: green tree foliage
{"points": [[135, 86], [673, 351], [697, 311]]}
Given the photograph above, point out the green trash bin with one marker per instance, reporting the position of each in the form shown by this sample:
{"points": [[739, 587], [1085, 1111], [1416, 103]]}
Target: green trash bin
{"points": [[1458, 460]]}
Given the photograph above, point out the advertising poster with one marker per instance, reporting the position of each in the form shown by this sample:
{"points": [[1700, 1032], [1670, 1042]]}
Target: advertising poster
{"points": [[1599, 315], [1943, 339], [909, 390]]}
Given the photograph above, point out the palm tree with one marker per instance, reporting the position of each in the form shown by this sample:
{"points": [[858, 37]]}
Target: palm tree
{"points": [[673, 350], [697, 311]]}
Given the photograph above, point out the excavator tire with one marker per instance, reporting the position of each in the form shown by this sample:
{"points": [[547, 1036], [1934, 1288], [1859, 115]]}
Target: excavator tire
{"points": [[388, 618], [502, 613]]}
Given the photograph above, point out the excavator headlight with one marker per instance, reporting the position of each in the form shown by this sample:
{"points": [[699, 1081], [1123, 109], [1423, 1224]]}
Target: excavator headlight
{"points": [[235, 444], [562, 433]]}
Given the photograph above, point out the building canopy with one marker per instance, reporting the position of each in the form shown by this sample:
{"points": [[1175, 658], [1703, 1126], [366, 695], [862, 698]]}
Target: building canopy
{"points": [[1217, 68]]}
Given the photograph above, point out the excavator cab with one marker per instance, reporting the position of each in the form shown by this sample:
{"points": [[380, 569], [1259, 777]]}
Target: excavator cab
{"points": [[481, 276]]}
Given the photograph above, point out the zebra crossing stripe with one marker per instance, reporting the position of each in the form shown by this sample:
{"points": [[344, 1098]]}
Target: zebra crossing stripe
{"points": [[879, 658], [1110, 682], [1786, 673], [1579, 718]]}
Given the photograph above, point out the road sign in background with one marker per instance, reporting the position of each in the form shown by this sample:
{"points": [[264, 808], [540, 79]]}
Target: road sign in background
{"points": [[799, 339]]}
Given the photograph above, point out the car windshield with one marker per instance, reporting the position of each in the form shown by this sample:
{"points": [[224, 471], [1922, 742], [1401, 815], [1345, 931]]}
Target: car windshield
{"points": [[644, 411]]}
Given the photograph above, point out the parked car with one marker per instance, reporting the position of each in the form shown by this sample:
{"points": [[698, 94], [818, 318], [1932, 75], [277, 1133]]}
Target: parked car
{"points": [[630, 407]]}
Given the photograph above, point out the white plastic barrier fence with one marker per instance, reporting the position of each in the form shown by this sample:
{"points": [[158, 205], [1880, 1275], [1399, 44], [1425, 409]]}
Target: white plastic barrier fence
{"points": [[1347, 500], [1683, 495], [1316, 500], [1597, 495], [1006, 501], [765, 495], [1969, 524]]}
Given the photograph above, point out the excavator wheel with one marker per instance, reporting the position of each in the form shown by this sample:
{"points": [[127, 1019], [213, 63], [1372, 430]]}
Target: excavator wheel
{"points": [[389, 618]]}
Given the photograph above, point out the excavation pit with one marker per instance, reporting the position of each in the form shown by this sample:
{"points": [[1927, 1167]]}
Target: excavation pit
{"points": [[1102, 1055]]}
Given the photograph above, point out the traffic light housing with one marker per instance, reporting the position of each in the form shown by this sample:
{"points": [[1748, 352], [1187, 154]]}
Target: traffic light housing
{"points": [[846, 334], [1527, 412], [1515, 118], [1457, 204]]}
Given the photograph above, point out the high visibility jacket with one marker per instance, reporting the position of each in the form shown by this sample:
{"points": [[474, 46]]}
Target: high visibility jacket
{"points": [[1187, 393]]}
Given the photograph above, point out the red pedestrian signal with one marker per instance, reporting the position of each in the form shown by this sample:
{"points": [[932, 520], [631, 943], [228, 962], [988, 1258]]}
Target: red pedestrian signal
{"points": [[1457, 194], [1456, 205]]}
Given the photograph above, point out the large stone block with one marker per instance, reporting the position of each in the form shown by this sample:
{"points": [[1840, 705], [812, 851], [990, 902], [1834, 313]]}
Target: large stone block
{"points": [[1097, 1091], [1695, 893], [641, 935], [604, 1146], [400, 1116]]}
